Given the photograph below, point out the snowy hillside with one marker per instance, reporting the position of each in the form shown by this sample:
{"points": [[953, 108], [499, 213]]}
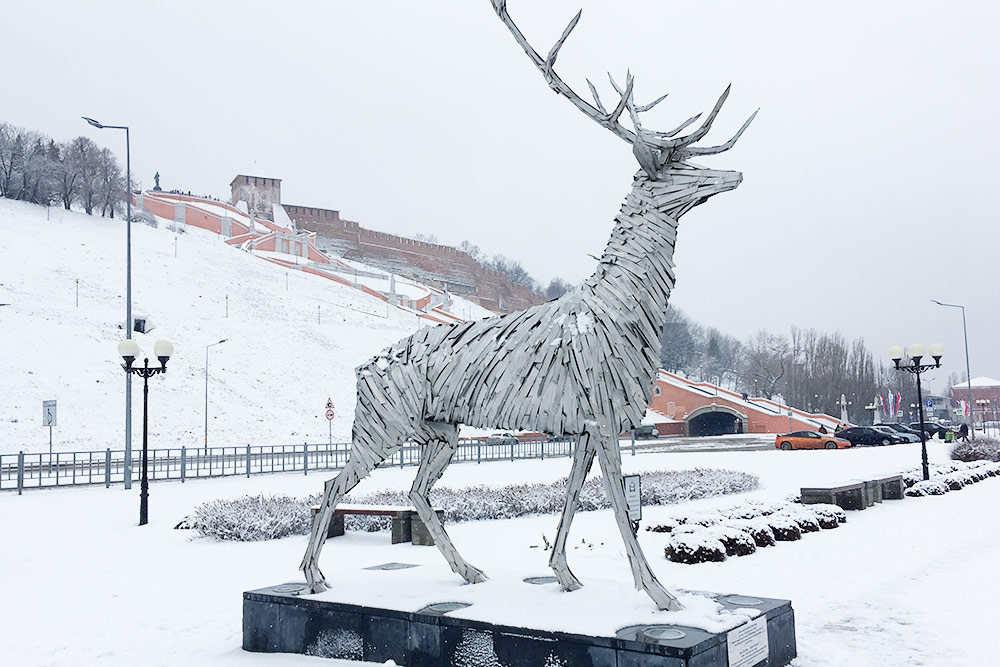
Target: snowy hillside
{"points": [[288, 349]]}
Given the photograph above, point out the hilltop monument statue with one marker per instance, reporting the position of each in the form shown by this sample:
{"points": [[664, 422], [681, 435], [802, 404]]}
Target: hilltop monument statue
{"points": [[581, 365], [156, 178]]}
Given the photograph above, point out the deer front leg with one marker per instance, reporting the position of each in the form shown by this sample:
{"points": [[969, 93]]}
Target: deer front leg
{"points": [[438, 451], [583, 458], [333, 491], [609, 455]]}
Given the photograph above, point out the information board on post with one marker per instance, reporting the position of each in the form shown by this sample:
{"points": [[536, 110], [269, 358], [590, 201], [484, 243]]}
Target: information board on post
{"points": [[633, 496], [747, 644]]}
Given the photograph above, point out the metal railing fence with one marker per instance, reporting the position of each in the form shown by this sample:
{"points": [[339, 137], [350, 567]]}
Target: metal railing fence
{"points": [[28, 470]]}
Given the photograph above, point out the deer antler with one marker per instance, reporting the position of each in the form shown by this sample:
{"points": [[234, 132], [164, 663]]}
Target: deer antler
{"points": [[599, 114], [644, 142]]}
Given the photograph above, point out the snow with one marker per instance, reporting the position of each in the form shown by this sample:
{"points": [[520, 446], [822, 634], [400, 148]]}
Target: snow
{"points": [[978, 382], [907, 583], [268, 383]]}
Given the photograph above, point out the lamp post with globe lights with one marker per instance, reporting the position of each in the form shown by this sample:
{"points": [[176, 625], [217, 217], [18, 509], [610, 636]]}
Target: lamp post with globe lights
{"points": [[915, 353], [129, 350]]}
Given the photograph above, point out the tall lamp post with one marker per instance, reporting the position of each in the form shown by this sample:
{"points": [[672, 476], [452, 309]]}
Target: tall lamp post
{"points": [[968, 373], [915, 353], [129, 350], [206, 390], [128, 291]]}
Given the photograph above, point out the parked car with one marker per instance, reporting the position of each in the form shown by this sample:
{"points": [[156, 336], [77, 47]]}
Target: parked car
{"points": [[646, 432], [905, 435], [866, 435], [931, 428], [810, 440], [502, 438], [902, 428]]}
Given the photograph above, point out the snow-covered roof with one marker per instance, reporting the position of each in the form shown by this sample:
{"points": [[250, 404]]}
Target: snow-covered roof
{"points": [[981, 381]]}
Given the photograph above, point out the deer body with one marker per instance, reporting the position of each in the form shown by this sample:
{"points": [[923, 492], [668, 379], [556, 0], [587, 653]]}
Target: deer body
{"points": [[582, 364]]}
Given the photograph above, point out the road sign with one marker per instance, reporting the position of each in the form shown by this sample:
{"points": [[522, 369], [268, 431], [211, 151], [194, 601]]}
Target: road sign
{"points": [[930, 404], [899, 413], [633, 497], [329, 414], [329, 404], [48, 413]]}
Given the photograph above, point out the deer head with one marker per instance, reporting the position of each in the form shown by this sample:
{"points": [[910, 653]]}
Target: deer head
{"points": [[660, 154]]}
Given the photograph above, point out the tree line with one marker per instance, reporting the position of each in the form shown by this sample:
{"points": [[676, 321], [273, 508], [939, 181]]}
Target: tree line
{"points": [[807, 369], [35, 168], [515, 272]]}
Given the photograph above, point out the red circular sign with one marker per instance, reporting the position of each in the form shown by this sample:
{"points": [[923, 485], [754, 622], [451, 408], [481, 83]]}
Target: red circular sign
{"points": [[329, 414]]}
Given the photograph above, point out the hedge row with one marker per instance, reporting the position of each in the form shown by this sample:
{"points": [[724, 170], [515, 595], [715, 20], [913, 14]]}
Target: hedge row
{"points": [[714, 535], [267, 517]]}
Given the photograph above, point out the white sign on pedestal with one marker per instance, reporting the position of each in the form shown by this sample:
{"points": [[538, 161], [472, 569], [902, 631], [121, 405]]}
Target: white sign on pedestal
{"points": [[633, 497], [748, 643]]}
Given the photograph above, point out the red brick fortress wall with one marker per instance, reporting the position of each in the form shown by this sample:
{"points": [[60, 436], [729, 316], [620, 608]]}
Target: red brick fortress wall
{"points": [[431, 263]]}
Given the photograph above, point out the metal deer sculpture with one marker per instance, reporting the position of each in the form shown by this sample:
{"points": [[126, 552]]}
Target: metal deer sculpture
{"points": [[582, 364]]}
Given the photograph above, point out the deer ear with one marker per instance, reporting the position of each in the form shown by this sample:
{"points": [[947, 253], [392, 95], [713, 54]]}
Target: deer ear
{"points": [[646, 156]]}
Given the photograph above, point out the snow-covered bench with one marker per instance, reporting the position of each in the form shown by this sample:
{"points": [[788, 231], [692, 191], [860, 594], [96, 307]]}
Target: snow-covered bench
{"points": [[848, 496], [406, 524], [856, 495]]}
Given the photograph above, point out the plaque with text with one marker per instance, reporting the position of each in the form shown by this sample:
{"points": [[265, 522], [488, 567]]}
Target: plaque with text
{"points": [[748, 643]]}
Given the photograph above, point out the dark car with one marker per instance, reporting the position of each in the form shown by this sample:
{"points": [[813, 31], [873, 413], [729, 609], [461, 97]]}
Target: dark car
{"points": [[866, 435], [931, 428], [646, 432], [902, 428]]}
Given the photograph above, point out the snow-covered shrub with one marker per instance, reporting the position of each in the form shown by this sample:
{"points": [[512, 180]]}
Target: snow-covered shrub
{"points": [[785, 528], [736, 542], [930, 487], [145, 217], [696, 547], [253, 518], [804, 518], [911, 477], [980, 449], [703, 518], [482, 502], [745, 511], [666, 526], [829, 516], [758, 529], [956, 481]]}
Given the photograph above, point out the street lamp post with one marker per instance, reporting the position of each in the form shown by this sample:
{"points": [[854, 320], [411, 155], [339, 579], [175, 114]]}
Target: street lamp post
{"points": [[128, 349], [968, 373], [128, 291], [206, 390], [915, 353]]}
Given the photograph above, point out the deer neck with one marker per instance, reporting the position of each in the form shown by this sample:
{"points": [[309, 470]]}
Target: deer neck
{"points": [[637, 266]]}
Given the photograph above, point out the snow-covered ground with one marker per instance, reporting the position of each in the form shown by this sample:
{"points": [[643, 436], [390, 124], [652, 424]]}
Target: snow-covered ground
{"points": [[291, 345], [906, 583]]}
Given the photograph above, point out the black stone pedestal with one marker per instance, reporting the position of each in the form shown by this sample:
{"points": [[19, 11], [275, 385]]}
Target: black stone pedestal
{"points": [[278, 620]]}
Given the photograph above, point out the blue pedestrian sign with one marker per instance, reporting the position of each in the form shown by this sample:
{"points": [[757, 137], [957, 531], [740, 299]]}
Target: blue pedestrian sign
{"points": [[930, 403]]}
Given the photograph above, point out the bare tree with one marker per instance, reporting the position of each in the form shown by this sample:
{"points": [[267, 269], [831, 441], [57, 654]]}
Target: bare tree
{"points": [[111, 183], [766, 356], [557, 287]]}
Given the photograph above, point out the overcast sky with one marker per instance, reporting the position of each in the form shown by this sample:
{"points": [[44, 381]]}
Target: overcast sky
{"points": [[869, 174]]}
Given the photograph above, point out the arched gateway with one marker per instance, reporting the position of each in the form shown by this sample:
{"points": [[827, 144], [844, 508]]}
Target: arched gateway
{"points": [[714, 419]]}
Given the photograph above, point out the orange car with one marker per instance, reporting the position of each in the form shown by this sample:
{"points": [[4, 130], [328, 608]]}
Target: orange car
{"points": [[809, 440]]}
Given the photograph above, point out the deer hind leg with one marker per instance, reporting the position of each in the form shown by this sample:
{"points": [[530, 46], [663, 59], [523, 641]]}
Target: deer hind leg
{"points": [[609, 455], [583, 458], [440, 441], [380, 428]]}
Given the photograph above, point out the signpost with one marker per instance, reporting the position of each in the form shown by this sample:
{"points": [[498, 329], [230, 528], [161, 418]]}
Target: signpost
{"points": [[329, 418], [633, 499], [49, 419]]}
